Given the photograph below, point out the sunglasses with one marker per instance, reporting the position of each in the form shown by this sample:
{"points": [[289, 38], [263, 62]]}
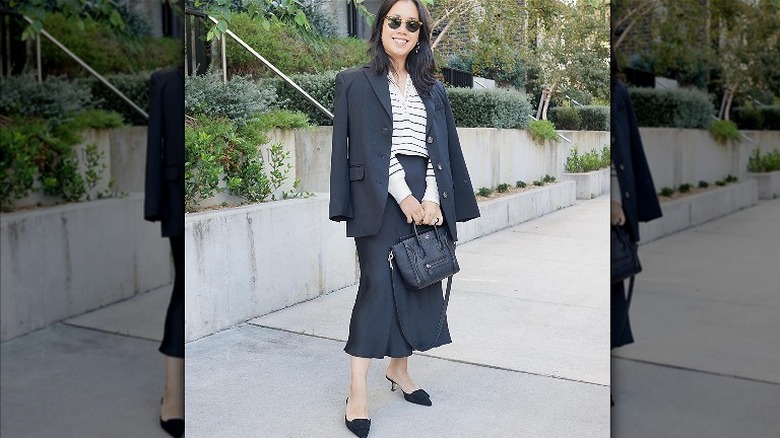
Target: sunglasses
{"points": [[395, 21]]}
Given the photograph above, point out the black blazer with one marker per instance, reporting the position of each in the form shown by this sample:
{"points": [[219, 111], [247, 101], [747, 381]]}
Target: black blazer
{"points": [[360, 161], [637, 190], [164, 184]]}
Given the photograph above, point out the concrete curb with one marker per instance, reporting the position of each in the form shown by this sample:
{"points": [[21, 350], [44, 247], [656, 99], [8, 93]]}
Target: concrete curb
{"points": [[692, 210], [589, 184]]}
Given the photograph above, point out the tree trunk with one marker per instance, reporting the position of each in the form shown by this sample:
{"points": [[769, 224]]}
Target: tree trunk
{"points": [[547, 99], [732, 93]]}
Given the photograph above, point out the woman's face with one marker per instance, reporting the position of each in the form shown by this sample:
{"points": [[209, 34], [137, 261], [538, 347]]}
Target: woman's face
{"points": [[399, 42]]}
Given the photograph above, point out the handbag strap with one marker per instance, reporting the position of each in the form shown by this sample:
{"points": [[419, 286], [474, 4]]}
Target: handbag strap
{"points": [[628, 303], [443, 307]]}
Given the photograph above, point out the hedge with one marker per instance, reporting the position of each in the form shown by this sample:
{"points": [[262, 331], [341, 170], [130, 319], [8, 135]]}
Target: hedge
{"points": [[238, 100], [584, 118], [680, 108], [134, 86], [104, 51], [752, 118], [318, 86], [496, 108], [291, 53]]}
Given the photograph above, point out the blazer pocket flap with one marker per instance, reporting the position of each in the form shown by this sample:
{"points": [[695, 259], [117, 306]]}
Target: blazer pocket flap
{"points": [[356, 173], [171, 173]]}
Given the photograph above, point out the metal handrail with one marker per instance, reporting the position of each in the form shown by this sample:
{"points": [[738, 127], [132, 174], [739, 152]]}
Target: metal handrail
{"points": [[83, 64], [262, 59]]}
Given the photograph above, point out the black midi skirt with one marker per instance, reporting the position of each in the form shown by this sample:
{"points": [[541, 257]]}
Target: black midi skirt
{"points": [[388, 319]]}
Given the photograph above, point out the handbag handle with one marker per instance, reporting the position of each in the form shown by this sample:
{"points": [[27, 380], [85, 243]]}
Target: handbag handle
{"points": [[435, 230]]}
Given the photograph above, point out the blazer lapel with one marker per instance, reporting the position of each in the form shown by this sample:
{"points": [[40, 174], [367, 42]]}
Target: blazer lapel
{"points": [[381, 89], [429, 111]]}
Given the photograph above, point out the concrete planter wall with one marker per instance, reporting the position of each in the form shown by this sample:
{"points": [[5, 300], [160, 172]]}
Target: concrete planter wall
{"points": [[678, 156], [682, 213], [493, 156], [59, 262], [512, 210], [768, 184], [248, 261], [589, 184]]}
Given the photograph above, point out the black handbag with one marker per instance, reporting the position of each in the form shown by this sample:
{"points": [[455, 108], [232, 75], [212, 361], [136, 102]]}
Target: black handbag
{"points": [[425, 258], [623, 254], [422, 259]]}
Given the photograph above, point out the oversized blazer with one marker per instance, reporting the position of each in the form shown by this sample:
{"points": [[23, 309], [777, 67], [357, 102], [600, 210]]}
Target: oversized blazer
{"points": [[164, 179], [637, 190], [360, 160]]}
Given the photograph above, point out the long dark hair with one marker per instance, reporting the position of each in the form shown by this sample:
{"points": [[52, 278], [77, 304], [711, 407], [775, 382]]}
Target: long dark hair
{"points": [[420, 64]]}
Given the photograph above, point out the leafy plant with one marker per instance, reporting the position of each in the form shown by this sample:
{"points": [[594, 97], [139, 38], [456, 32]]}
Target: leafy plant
{"points": [[484, 191], [538, 183], [590, 161], [703, 184], [720, 183], [724, 130], [676, 108], [730, 178], [666, 191], [283, 119], [238, 99], [520, 184], [495, 108], [548, 178], [766, 163], [542, 130], [566, 118], [685, 188], [502, 188]]}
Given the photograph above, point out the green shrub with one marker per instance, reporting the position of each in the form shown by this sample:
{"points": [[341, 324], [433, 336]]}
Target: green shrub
{"points": [[36, 150], [238, 99], [685, 188], [319, 86], [724, 130], [134, 86], [666, 191], [748, 117], [53, 99], [594, 118], [103, 50], [502, 188], [548, 178], [730, 178], [766, 163], [542, 130], [703, 184], [538, 183], [289, 51], [565, 118], [720, 183], [521, 184], [495, 108], [672, 108], [588, 162], [283, 119], [484, 191], [771, 117]]}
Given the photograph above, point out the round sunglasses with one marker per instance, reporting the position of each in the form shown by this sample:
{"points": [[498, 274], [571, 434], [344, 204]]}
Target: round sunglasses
{"points": [[412, 25]]}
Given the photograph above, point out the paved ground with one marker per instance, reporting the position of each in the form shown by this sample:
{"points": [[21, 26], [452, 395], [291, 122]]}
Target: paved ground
{"points": [[528, 314], [706, 318], [529, 319]]}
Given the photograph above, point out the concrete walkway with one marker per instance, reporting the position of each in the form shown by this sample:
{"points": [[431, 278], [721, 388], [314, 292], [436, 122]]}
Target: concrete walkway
{"points": [[529, 317], [706, 320]]}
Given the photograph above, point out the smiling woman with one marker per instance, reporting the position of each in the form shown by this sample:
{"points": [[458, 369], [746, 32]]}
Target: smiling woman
{"points": [[396, 160]]}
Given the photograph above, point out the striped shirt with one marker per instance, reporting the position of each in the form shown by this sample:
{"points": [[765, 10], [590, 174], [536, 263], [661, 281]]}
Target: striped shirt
{"points": [[409, 123]]}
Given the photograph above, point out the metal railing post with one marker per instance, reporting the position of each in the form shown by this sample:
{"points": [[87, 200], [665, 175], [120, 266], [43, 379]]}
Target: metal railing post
{"points": [[38, 57], [224, 60]]}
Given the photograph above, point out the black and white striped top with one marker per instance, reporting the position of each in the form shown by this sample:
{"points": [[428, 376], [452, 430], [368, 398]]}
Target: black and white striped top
{"points": [[409, 123]]}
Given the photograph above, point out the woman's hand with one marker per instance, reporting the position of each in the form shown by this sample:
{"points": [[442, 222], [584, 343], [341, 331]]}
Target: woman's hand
{"points": [[414, 212], [433, 215], [617, 216]]}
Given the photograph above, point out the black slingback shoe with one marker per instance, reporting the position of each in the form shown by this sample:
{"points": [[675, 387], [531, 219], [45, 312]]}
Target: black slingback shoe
{"points": [[418, 397], [174, 427], [358, 426]]}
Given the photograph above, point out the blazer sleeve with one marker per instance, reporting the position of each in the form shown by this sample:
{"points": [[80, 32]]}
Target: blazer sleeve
{"points": [[465, 201], [340, 208], [648, 207], [154, 178]]}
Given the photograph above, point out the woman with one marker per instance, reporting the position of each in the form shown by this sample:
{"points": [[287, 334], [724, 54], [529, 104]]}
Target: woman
{"points": [[396, 161], [633, 197], [164, 202]]}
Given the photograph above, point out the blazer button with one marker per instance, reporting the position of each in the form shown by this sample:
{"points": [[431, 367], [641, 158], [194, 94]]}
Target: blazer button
{"points": [[444, 195], [628, 195], [430, 139], [384, 128], [622, 167], [439, 166]]}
